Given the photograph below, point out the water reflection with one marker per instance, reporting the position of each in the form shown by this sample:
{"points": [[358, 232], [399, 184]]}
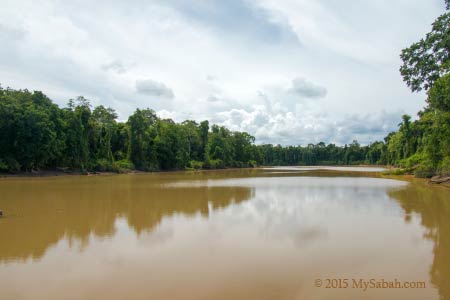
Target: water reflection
{"points": [[215, 235], [432, 204], [41, 212]]}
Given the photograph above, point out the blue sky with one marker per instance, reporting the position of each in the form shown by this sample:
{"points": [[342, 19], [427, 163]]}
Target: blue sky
{"points": [[287, 71]]}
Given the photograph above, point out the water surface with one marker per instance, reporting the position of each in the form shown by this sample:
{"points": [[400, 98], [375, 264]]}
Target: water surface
{"points": [[245, 234]]}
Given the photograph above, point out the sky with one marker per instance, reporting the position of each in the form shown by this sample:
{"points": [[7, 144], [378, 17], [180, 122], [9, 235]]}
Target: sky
{"points": [[289, 72]]}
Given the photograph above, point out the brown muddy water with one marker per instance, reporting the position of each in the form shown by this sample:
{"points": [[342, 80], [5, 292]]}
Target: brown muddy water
{"points": [[281, 233]]}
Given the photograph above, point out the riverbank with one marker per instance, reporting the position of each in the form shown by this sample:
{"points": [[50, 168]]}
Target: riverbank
{"points": [[67, 172], [59, 173], [53, 173], [436, 180], [440, 180]]}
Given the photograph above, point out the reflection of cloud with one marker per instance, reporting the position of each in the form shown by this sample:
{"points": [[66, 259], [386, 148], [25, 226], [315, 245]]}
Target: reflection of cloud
{"points": [[158, 236], [305, 235]]}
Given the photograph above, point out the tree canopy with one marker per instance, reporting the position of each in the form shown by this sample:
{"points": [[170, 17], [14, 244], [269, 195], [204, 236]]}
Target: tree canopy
{"points": [[428, 59]]}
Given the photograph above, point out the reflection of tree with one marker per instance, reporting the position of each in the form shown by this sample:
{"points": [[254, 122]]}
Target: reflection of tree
{"points": [[42, 212], [433, 205]]}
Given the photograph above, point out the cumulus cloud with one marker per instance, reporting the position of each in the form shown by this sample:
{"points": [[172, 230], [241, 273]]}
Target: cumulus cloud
{"points": [[305, 127], [304, 88], [153, 88], [8, 33], [212, 98], [115, 66], [210, 77]]}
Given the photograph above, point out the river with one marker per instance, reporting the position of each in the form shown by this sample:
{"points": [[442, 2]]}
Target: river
{"points": [[269, 233]]}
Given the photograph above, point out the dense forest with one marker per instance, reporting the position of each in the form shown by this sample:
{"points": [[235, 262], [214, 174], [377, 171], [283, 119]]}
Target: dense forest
{"points": [[37, 134]]}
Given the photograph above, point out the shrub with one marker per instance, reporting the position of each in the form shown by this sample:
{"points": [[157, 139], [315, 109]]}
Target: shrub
{"points": [[412, 161], [3, 166], [195, 164], [123, 166], [252, 163], [103, 165], [9, 165], [214, 164], [444, 167], [425, 170]]}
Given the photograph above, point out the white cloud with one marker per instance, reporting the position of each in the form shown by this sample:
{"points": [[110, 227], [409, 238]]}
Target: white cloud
{"points": [[153, 88], [302, 87], [115, 66]]}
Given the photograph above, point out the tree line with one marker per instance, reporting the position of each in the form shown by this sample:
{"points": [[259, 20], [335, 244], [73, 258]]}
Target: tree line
{"points": [[38, 134]]}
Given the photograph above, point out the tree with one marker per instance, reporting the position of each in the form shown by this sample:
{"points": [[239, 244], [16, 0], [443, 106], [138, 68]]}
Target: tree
{"points": [[439, 94], [203, 132], [77, 115], [426, 61], [31, 130], [405, 129], [103, 124], [142, 149]]}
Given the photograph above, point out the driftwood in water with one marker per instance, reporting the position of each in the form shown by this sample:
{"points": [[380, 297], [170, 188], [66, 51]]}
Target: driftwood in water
{"points": [[1, 213]]}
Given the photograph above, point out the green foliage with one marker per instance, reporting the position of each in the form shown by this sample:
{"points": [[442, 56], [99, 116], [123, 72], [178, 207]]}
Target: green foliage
{"points": [[122, 166], [38, 134], [413, 161], [424, 144], [427, 60], [425, 170], [195, 164], [399, 171], [444, 167], [439, 94], [252, 164], [31, 127], [321, 154], [103, 165], [142, 146], [214, 164]]}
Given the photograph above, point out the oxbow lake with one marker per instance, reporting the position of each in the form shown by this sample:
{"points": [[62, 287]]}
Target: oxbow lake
{"points": [[266, 233]]}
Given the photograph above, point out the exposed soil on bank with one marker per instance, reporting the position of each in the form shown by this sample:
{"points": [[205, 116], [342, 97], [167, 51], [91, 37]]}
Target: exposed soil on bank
{"points": [[52, 173]]}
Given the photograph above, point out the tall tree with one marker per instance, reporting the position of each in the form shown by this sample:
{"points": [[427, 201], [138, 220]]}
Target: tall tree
{"points": [[142, 150], [428, 59]]}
